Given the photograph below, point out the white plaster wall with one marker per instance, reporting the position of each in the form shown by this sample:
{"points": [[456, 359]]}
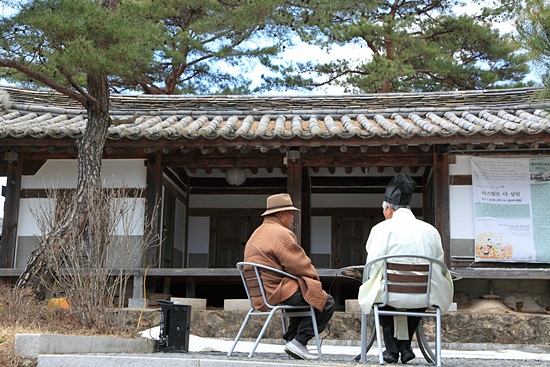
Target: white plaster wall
{"points": [[27, 225], [461, 204], [130, 223], [461, 201], [199, 234], [62, 173], [179, 230], [320, 235], [461, 166]]}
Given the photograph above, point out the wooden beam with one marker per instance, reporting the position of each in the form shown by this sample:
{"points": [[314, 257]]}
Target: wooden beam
{"points": [[186, 187], [412, 158], [237, 190], [215, 160], [294, 188], [172, 188], [503, 273], [316, 182], [407, 159], [131, 192], [193, 158], [441, 197], [306, 211], [458, 180], [153, 203], [373, 142], [221, 183], [11, 212], [30, 168]]}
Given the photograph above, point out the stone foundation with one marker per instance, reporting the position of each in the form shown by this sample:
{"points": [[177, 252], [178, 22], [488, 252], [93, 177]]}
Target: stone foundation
{"points": [[457, 327], [483, 321]]}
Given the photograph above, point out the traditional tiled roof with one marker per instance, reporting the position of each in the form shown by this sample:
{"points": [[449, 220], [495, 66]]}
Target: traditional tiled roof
{"points": [[34, 114]]}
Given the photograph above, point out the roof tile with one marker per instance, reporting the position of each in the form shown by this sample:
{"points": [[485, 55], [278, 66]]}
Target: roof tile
{"points": [[40, 114]]}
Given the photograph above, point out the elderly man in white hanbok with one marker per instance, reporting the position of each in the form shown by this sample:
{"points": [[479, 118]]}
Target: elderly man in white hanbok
{"points": [[402, 233]]}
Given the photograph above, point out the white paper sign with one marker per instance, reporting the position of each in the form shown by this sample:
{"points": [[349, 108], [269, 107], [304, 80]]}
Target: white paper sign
{"points": [[511, 209]]}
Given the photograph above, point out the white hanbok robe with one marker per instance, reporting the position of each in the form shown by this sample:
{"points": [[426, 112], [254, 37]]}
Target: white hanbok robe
{"points": [[403, 234]]}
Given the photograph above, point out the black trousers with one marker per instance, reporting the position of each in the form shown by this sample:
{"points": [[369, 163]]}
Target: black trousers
{"points": [[393, 344], [301, 328]]}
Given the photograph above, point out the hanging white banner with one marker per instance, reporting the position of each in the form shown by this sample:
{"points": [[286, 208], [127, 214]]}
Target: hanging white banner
{"points": [[511, 202]]}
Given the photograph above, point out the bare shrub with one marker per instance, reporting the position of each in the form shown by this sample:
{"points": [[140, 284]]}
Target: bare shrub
{"points": [[93, 265]]}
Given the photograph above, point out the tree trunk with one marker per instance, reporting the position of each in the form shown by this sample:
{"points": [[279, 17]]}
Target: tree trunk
{"points": [[37, 274]]}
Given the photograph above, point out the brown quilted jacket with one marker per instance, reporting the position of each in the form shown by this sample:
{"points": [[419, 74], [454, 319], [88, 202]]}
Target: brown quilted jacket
{"points": [[274, 245]]}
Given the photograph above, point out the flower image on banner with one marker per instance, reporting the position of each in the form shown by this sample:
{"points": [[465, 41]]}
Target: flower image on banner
{"points": [[492, 246]]}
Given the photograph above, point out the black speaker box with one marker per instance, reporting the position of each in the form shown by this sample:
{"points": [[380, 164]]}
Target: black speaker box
{"points": [[175, 324]]}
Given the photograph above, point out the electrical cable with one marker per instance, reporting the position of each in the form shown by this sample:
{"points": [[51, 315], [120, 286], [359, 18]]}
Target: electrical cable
{"points": [[145, 292]]}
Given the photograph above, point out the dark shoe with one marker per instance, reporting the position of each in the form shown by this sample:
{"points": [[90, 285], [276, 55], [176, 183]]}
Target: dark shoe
{"points": [[407, 355], [390, 357]]}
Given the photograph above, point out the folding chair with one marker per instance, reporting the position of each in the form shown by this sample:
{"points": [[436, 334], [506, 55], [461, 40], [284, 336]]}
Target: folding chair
{"points": [[404, 274], [253, 284]]}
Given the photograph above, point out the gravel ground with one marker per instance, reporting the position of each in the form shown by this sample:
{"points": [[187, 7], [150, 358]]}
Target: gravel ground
{"points": [[473, 359], [343, 353]]}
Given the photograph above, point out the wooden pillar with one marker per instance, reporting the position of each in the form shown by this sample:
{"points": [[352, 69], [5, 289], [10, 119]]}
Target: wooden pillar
{"points": [[294, 188], [441, 198], [186, 223], [11, 209], [137, 290], [428, 205], [306, 211], [190, 287], [153, 204], [167, 285]]}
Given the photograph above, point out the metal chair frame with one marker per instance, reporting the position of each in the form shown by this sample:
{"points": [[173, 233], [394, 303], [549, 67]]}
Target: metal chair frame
{"points": [[287, 311], [406, 277]]}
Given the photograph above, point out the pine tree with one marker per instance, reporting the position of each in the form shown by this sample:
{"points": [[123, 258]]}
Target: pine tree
{"points": [[414, 46], [533, 25], [86, 48]]}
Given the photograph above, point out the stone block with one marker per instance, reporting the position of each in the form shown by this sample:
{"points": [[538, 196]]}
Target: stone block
{"points": [[352, 306], [138, 302], [195, 303], [31, 345], [236, 305]]}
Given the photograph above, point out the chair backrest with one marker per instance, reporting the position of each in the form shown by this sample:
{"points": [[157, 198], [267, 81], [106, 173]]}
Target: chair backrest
{"points": [[406, 274], [252, 280]]}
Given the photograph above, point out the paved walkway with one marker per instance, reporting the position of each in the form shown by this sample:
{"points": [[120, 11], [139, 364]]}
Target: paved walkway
{"points": [[485, 355], [206, 352]]}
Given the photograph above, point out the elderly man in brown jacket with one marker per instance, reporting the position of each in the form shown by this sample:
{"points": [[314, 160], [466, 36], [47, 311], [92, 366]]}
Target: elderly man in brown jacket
{"points": [[275, 245]]}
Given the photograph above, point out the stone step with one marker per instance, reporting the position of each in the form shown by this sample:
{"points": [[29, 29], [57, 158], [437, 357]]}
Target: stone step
{"points": [[31, 345]]}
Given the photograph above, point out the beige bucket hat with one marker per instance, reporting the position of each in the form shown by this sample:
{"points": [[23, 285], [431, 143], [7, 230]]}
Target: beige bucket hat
{"points": [[279, 203]]}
